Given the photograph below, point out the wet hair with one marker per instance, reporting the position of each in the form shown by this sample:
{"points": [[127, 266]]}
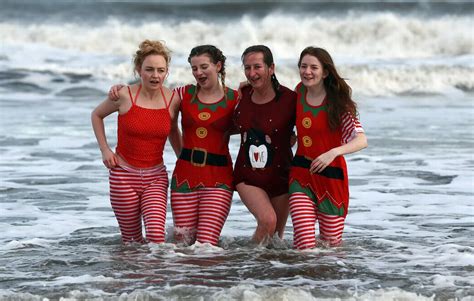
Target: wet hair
{"points": [[268, 60], [338, 91], [147, 48], [216, 55]]}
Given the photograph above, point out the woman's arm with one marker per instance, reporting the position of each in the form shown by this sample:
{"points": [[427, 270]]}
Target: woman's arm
{"points": [[103, 110], [356, 144], [175, 136]]}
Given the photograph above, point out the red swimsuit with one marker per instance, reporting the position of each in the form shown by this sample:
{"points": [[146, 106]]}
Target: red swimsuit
{"points": [[139, 191], [142, 134]]}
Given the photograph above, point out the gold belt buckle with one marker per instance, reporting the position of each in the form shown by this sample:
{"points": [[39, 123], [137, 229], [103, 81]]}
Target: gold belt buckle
{"points": [[192, 156]]}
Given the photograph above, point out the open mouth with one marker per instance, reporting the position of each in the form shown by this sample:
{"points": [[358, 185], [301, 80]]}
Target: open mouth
{"points": [[202, 80], [254, 80]]}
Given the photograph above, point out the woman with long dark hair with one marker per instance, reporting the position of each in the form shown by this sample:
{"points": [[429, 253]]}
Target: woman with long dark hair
{"points": [[328, 128]]}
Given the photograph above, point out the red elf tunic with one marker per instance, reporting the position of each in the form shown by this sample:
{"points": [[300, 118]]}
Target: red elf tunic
{"points": [[330, 188], [205, 159]]}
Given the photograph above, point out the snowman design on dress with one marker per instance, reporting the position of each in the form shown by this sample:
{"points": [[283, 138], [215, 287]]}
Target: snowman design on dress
{"points": [[258, 148]]}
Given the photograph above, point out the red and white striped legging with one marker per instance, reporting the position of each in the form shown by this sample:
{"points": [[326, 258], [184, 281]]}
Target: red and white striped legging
{"points": [[304, 214], [202, 212], [139, 193]]}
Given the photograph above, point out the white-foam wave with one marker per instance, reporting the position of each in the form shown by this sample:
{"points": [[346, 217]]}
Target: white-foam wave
{"points": [[365, 79], [381, 35], [15, 244], [65, 280], [240, 292], [379, 53], [249, 292]]}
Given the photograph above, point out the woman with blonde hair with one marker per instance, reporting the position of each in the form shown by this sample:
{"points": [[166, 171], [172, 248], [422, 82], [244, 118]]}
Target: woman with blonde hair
{"points": [[146, 115], [202, 181]]}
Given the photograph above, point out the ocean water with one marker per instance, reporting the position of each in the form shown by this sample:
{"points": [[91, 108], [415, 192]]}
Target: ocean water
{"points": [[409, 233]]}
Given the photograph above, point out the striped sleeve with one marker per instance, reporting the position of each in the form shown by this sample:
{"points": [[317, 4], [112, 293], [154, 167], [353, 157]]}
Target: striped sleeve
{"points": [[350, 127], [180, 91]]}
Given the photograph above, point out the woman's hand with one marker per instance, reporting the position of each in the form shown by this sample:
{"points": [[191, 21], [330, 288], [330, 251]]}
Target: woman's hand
{"points": [[321, 162], [109, 158], [239, 90], [293, 139], [114, 92]]}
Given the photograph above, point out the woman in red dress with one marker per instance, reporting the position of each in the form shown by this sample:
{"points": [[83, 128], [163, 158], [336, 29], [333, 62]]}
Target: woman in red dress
{"points": [[201, 186], [328, 128], [202, 181], [265, 118]]}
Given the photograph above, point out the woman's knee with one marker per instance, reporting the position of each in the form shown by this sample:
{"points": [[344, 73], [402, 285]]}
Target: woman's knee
{"points": [[267, 221]]}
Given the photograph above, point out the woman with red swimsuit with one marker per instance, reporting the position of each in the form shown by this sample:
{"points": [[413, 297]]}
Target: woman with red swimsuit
{"points": [[202, 181], [138, 177]]}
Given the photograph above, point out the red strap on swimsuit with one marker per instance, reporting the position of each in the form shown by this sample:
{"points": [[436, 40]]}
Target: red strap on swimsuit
{"points": [[134, 99]]}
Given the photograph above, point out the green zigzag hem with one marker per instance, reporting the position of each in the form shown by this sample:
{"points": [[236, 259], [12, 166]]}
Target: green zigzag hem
{"points": [[184, 188], [325, 206], [306, 107], [212, 107]]}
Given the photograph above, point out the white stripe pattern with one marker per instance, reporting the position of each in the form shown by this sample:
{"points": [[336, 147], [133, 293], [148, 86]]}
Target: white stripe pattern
{"points": [[136, 194], [180, 91], [304, 214], [202, 212], [350, 126]]}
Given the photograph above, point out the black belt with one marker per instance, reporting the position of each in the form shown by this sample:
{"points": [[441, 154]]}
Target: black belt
{"points": [[329, 172], [200, 157]]}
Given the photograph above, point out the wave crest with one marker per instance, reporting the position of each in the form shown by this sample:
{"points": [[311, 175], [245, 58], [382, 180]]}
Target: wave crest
{"points": [[378, 35]]}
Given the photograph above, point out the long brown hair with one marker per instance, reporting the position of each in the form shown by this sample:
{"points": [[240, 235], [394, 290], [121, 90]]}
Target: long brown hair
{"points": [[339, 93]]}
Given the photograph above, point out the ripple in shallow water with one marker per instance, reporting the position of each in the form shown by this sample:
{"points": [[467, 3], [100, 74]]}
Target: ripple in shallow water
{"points": [[24, 87], [82, 92], [50, 180], [429, 177], [12, 74], [11, 141]]}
